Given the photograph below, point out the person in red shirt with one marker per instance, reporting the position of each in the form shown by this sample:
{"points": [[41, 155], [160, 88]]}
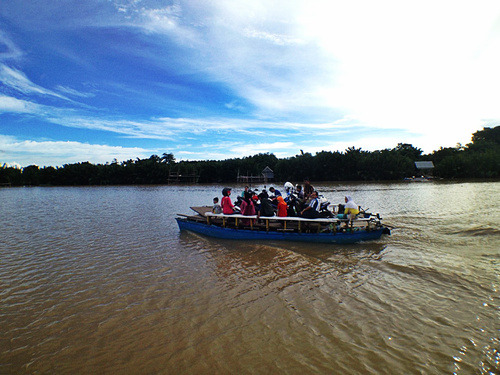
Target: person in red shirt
{"points": [[247, 208], [226, 204], [282, 207]]}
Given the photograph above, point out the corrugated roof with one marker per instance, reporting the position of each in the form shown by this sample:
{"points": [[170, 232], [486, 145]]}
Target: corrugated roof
{"points": [[424, 164]]}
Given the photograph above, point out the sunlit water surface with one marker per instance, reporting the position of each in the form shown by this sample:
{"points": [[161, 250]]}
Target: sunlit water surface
{"points": [[100, 280]]}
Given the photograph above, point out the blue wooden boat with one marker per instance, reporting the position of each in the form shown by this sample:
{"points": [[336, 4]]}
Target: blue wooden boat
{"points": [[324, 230]]}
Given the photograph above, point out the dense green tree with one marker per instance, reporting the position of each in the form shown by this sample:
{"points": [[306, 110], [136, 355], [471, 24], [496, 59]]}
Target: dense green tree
{"points": [[31, 175], [408, 150], [168, 158], [486, 139], [479, 159], [10, 175], [438, 155], [47, 175]]}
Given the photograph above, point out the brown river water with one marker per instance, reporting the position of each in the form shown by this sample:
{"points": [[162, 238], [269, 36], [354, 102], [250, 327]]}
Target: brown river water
{"points": [[99, 280]]}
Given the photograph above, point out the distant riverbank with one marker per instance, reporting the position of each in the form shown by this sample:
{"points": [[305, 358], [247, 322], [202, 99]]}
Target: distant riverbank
{"points": [[477, 160]]}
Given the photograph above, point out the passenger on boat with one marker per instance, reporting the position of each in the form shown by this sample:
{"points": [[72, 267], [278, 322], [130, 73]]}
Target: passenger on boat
{"points": [[244, 191], [266, 207], [227, 205], [351, 209], [275, 192], [282, 207], [308, 188], [294, 205], [311, 211], [247, 208], [217, 209], [288, 188], [255, 197], [299, 192]]}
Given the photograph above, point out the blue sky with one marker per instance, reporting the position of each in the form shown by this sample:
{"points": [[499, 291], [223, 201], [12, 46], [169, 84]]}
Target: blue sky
{"points": [[98, 80]]}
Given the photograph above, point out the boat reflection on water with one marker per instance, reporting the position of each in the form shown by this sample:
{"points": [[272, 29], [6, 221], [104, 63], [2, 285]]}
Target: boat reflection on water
{"points": [[282, 259]]}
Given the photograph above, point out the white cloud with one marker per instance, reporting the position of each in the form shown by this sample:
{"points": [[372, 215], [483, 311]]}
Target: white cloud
{"points": [[10, 104], [256, 148], [166, 128], [13, 165], [44, 153], [395, 73], [172, 128], [279, 39], [17, 80], [427, 67]]}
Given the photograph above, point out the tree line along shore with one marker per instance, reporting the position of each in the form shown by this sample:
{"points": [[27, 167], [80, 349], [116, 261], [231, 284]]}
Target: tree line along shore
{"points": [[478, 159]]}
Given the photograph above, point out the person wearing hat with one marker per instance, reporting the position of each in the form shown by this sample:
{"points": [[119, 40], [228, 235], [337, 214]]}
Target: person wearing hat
{"points": [[226, 204]]}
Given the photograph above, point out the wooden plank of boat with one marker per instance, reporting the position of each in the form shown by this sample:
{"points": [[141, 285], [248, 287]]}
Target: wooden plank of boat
{"points": [[202, 210]]}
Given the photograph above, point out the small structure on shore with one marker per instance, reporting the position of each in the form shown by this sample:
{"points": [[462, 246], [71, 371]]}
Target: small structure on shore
{"points": [[177, 177], [424, 167], [266, 175], [424, 172]]}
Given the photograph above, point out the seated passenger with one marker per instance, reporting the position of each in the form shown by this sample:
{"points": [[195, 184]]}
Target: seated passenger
{"points": [[351, 209], [275, 192], [293, 205], [311, 211], [266, 208], [308, 188], [282, 207], [299, 192], [255, 197], [247, 208], [227, 205], [217, 209], [288, 188]]}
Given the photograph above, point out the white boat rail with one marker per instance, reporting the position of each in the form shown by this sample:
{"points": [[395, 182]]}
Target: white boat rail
{"points": [[286, 218]]}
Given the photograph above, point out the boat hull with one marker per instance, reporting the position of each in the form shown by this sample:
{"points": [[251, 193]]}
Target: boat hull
{"points": [[245, 234]]}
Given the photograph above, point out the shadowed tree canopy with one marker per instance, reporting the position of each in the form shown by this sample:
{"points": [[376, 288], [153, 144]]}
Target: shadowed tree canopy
{"points": [[479, 159], [408, 150]]}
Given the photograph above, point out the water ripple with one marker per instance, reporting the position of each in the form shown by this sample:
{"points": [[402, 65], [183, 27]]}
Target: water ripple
{"points": [[99, 280]]}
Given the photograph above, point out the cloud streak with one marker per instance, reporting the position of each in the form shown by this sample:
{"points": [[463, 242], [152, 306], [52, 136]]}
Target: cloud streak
{"points": [[18, 81], [164, 127], [10, 50], [73, 92]]}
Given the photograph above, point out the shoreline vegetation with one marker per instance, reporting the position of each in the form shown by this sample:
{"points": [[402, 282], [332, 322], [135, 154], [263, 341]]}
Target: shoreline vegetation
{"points": [[479, 159]]}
